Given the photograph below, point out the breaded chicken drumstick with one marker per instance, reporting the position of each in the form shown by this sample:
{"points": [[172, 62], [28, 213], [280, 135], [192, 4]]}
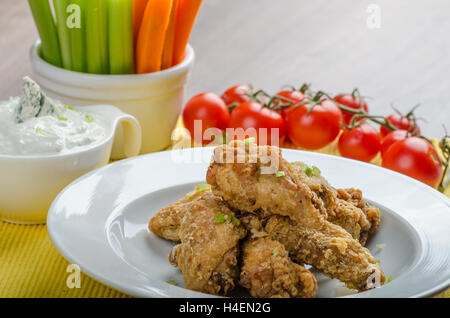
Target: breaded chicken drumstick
{"points": [[345, 208], [268, 272], [209, 235]]}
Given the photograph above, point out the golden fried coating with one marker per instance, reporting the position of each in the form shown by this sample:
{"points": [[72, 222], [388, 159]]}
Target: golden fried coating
{"points": [[345, 207], [332, 251], [292, 217], [166, 223], [352, 214], [355, 197], [267, 271], [241, 175], [245, 177], [209, 249]]}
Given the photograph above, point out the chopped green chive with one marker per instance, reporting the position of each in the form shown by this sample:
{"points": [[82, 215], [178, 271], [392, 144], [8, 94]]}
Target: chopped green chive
{"points": [[249, 141], [202, 187], [220, 139], [304, 166], [41, 131], [316, 171], [220, 218], [280, 174], [62, 118], [89, 118], [378, 261], [235, 221], [274, 252], [69, 107], [190, 194], [199, 188], [389, 279], [381, 246], [171, 282], [225, 139], [310, 171]]}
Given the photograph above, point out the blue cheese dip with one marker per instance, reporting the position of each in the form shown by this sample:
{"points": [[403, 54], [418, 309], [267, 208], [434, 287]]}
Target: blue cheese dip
{"points": [[33, 124]]}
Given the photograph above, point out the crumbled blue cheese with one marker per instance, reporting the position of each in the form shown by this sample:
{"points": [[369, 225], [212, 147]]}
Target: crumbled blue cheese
{"points": [[33, 102]]}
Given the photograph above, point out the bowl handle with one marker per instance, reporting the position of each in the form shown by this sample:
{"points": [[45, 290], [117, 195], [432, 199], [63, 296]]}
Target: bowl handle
{"points": [[127, 138]]}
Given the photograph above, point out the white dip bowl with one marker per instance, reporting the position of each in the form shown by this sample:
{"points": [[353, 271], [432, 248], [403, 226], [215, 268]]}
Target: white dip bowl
{"points": [[29, 183], [155, 99]]}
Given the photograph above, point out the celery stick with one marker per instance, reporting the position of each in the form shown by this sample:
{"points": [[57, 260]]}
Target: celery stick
{"points": [[45, 24], [77, 25], [121, 51], [97, 37], [63, 32]]}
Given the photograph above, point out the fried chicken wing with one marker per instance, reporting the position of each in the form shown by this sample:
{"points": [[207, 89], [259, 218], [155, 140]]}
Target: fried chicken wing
{"points": [[166, 223], [332, 252], [267, 271], [355, 197], [209, 249], [245, 177], [258, 180], [352, 214]]}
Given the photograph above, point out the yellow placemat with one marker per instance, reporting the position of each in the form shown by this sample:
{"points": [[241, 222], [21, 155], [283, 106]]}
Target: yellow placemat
{"points": [[30, 266]]}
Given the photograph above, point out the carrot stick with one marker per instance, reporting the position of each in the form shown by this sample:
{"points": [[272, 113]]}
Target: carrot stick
{"points": [[138, 14], [170, 37], [186, 15], [151, 37]]}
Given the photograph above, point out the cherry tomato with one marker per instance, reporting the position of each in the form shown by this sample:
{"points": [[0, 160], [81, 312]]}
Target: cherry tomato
{"points": [[294, 96], [250, 115], [211, 110], [353, 102], [360, 143], [236, 95], [416, 158], [400, 122], [316, 129], [391, 138]]}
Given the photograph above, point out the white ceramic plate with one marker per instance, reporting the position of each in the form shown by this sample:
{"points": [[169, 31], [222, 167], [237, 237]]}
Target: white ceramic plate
{"points": [[100, 223]]}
